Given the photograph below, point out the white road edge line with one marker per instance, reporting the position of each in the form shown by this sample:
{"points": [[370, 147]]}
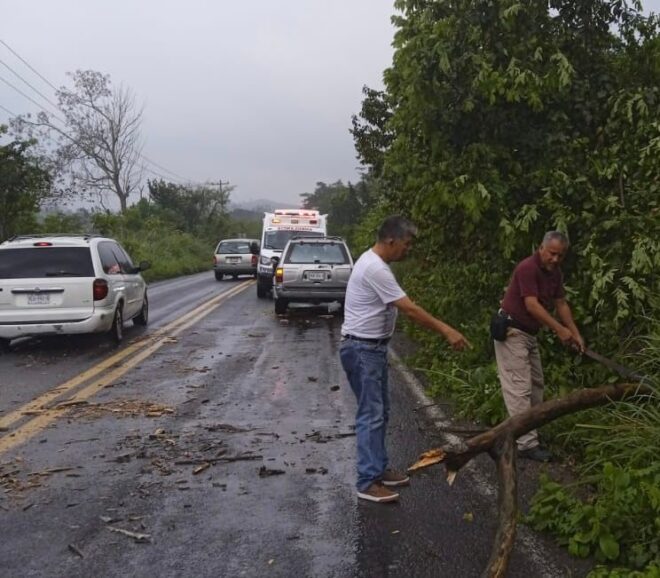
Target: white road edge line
{"points": [[532, 546]]}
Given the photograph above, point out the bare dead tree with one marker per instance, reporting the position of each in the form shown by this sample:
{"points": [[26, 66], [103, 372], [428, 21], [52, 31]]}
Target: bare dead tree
{"points": [[98, 133], [499, 443]]}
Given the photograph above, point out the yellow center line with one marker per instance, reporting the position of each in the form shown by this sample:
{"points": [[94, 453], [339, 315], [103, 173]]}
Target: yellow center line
{"points": [[174, 328]]}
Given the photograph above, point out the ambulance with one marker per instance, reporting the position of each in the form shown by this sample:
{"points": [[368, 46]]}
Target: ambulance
{"points": [[280, 226]]}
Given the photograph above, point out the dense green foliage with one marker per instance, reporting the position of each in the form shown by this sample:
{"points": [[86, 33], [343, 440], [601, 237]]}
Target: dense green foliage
{"points": [[501, 120], [23, 185]]}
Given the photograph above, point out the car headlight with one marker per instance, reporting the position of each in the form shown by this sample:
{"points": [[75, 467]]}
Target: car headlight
{"points": [[265, 260]]}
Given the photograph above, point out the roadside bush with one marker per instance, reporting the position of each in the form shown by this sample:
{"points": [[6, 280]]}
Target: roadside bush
{"points": [[619, 520]]}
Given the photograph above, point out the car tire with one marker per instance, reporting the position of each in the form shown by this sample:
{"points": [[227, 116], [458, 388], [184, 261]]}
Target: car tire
{"points": [[280, 306], [4, 345], [117, 329], [262, 292], [218, 276], [142, 318]]}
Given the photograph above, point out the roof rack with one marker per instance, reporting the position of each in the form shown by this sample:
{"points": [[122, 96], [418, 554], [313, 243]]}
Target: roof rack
{"points": [[43, 235]]}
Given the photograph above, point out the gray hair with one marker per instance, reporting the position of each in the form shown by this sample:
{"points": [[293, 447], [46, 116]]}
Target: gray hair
{"points": [[396, 227], [555, 236]]}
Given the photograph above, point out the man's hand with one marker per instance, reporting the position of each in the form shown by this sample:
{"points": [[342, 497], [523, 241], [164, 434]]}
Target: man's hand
{"points": [[457, 340], [578, 342], [565, 335]]}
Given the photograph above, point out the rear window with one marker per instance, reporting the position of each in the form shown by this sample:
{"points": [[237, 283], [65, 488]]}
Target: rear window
{"points": [[37, 262], [308, 253], [234, 247]]}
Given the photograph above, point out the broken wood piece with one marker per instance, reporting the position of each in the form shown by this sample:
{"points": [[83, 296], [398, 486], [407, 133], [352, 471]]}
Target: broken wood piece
{"points": [[73, 548], [199, 469], [428, 458], [139, 538]]}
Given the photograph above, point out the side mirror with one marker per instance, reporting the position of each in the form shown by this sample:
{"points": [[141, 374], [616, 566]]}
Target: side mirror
{"points": [[254, 248], [144, 265], [275, 259]]}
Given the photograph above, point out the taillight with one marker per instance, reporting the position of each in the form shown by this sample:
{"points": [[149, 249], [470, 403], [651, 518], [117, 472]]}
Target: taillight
{"points": [[279, 275], [254, 260], [100, 289]]}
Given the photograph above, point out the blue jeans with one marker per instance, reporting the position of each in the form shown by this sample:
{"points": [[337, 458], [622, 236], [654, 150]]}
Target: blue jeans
{"points": [[365, 365]]}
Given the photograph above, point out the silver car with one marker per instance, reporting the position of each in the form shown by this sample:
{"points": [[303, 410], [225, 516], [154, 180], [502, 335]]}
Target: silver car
{"points": [[68, 284], [312, 270], [236, 257]]}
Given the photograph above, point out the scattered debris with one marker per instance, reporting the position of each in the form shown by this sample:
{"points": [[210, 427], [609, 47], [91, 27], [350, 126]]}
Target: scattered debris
{"points": [[122, 408], [199, 469], [73, 548], [226, 427], [468, 517], [312, 378], [264, 472], [320, 470], [334, 388], [139, 538]]}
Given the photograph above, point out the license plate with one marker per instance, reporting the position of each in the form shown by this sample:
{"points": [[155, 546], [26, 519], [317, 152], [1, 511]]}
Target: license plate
{"points": [[316, 275], [38, 299], [233, 259]]}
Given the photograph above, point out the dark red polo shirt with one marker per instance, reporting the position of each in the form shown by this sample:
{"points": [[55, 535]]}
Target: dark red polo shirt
{"points": [[530, 279]]}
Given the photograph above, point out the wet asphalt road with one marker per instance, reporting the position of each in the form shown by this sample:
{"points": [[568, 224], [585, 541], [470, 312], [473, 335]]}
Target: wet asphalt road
{"points": [[172, 451]]}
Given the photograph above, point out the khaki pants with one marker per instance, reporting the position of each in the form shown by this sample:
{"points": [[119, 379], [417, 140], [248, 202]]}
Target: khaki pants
{"points": [[521, 376]]}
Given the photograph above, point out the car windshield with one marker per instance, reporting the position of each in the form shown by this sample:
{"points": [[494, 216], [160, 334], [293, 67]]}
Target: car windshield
{"points": [[233, 248], [38, 262], [277, 240], [327, 253]]}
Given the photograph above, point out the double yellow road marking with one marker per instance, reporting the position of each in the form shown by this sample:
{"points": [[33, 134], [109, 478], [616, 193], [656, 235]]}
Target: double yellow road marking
{"points": [[139, 351]]}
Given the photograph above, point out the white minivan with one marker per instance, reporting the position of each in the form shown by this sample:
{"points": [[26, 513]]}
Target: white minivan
{"points": [[66, 284]]}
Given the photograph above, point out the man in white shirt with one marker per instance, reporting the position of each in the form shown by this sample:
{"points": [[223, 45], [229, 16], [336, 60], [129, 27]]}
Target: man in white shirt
{"points": [[373, 299]]}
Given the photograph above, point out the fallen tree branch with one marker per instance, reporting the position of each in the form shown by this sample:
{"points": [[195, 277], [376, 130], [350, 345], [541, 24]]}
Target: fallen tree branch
{"points": [[499, 442]]}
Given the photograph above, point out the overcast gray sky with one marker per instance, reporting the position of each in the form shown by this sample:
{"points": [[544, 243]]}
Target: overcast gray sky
{"points": [[256, 93]]}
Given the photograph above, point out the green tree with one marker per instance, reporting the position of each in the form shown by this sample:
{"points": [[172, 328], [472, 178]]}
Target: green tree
{"points": [[24, 184]]}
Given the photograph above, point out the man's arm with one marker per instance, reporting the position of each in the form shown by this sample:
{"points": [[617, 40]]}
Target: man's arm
{"points": [[420, 316], [541, 314], [564, 312]]}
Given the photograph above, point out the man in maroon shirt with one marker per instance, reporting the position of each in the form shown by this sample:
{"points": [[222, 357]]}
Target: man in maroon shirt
{"points": [[536, 287]]}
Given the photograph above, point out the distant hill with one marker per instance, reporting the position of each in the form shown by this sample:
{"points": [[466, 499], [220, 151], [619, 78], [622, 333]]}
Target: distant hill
{"points": [[256, 205]]}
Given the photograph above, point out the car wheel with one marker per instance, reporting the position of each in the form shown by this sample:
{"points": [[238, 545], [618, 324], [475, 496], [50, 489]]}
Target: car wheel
{"points": [[262, 292], [280, 306], [142, 318], [117, 329], [4, 345], [218, 276], [234, 277]]}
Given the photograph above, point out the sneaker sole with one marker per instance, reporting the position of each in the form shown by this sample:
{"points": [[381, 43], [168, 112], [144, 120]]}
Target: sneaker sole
{"points": [[405, 482], [381, 500]]}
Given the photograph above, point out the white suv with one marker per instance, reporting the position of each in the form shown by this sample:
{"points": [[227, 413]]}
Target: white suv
{"points": [[65, 284]]}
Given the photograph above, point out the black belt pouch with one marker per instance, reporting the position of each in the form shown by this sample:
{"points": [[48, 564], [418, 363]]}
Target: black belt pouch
{"points": [[499, 324]]}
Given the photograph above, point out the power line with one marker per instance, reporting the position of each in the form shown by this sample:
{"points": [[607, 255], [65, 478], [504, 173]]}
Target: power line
{"points": [[31, 99], [26, 82], [28, 64], [163, 168], [9, 112], [64, 122]]}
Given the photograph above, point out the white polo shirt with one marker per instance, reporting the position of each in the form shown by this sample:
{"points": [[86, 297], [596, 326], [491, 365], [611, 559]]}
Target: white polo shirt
{"points": [[369, 311]]}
